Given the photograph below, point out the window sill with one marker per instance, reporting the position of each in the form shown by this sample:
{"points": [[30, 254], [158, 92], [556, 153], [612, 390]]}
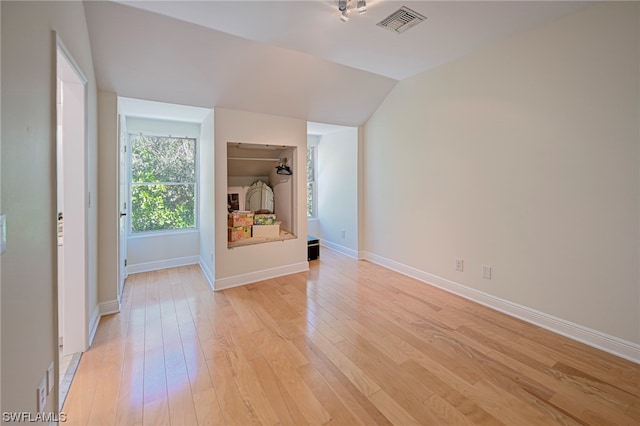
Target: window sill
{"points": [[284, 235], [168, 233]]}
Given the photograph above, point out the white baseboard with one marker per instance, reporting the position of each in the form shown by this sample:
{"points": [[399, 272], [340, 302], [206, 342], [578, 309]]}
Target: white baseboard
{"points": [[206, 271], [108, 308], [339, 248], [93, 324], [101, 309], [162, 264], [252, 277], [614, 345]]}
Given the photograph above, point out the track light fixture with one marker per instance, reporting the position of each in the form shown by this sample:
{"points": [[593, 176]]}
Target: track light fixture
{"points": [[345, 6], [344, 16]]}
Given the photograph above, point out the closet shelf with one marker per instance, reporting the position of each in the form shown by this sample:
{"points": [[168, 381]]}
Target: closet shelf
{"points": [[253, 159]]}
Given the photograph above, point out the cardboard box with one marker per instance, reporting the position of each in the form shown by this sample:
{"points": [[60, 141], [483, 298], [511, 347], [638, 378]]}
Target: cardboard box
{"points": [[238, 233], [240, 218], [264, 219], [266, 231]]}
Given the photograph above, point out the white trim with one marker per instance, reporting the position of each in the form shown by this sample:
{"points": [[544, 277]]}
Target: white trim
{"points": [[93, 325], [69, 57], [207, 272], [266, 274], [340, 249], [162, 264], [611, 344], [101, 309], [121, 283], [163, 233], [75, 313], [108, 308], [196, 184], [313, 146]]}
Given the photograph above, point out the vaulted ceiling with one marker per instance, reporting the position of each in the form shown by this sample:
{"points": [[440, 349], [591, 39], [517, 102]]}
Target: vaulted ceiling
{"points": [[289, 58]]}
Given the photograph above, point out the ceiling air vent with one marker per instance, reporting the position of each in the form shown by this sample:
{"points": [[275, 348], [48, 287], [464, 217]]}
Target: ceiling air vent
{"points": [[401, 20]]}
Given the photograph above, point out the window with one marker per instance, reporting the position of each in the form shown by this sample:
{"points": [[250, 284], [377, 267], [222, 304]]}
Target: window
{"points": [[163, 183], [311, 181]]}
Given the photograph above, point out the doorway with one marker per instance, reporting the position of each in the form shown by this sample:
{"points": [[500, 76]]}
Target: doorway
{"points": [[72, 211]]}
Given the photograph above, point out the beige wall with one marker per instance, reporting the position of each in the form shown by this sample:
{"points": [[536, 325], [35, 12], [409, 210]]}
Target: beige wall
{"points": [[29, 327], [238, 265], [108, 216], [524, 157]]}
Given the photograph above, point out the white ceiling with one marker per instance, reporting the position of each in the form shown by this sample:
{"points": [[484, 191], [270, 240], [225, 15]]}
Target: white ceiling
{"points": [[290, 58]]}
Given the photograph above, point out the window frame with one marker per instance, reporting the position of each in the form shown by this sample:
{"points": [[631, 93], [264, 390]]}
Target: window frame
{"points": [[313, 147], [130, 183]]}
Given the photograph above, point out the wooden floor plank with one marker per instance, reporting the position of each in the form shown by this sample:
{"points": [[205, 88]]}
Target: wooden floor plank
{"points": [[346, 343]]}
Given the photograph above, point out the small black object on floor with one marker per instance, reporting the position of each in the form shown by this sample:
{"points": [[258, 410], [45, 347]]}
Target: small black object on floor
{"points": [[313, 248]]}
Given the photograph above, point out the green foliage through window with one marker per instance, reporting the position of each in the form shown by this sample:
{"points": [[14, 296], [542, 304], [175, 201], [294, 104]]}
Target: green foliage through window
{"points": [[311, 180], [309, 199], [163, 183]]}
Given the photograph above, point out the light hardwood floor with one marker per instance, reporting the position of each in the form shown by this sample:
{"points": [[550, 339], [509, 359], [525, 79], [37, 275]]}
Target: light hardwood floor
{"points": [[347, 343]]}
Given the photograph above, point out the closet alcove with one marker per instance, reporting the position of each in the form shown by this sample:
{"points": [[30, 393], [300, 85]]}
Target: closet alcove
{"points": [[260, 180]]}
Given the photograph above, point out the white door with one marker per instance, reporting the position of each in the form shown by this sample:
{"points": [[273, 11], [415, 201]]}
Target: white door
{"points": [[60, 201], [123, 196], [73, 201]]}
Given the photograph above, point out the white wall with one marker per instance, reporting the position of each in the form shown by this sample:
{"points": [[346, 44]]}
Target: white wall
{"points": [[72, 293], [282, 186], [92, 174], [242, 265], [337, 179], [313, 227], [29, 292], [156, 251], [524, 157], [207, 187]]}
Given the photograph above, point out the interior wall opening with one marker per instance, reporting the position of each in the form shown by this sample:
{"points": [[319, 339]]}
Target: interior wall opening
{"points": [[260, 193], [72, 214]]}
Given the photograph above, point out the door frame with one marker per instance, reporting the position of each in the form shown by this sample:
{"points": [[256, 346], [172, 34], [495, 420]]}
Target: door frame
{"points": [[74, 301], [123, 200]]}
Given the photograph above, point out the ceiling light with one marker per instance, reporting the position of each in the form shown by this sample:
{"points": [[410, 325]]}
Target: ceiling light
{"points": [[361, 6]]}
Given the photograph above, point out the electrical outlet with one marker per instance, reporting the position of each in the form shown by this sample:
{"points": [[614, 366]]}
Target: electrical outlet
{"points": [[343, 234], [486, 272], [50, 378], [459, 264], [41, 394]]}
